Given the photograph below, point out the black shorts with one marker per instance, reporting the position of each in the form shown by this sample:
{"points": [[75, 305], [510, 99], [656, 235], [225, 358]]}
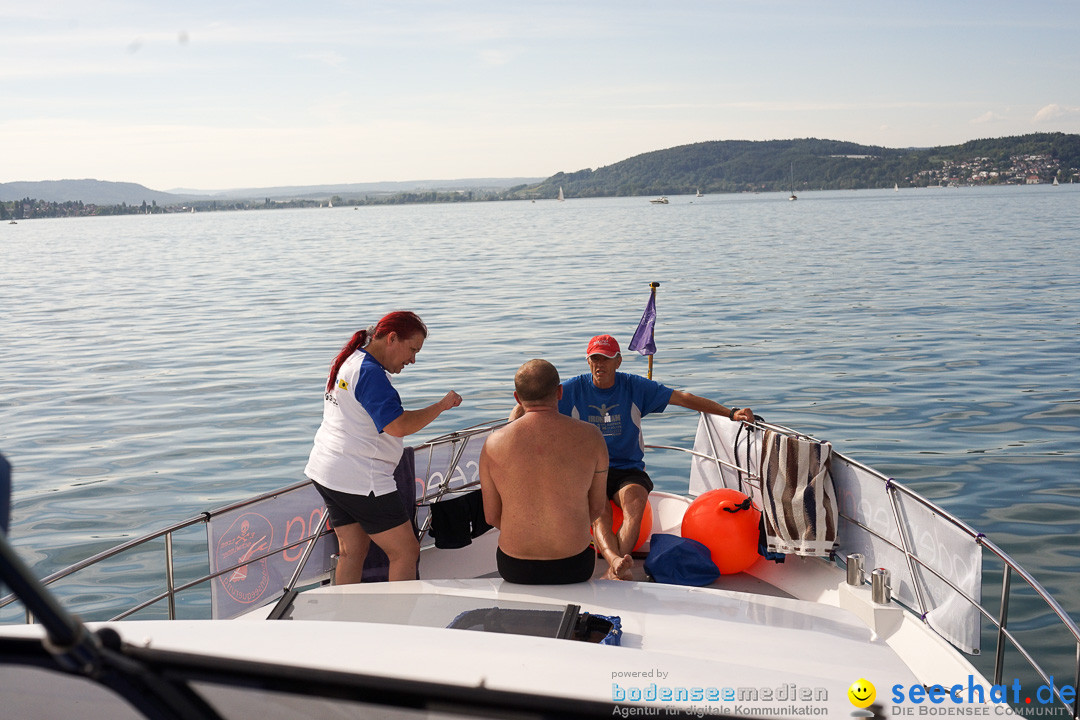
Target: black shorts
{"points": [[563, 571], [375, 513], [617, 477]]}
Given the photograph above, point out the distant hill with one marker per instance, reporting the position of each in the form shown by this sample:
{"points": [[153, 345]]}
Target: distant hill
{"points": [[101, 192], [719, 166], [93, 192], [775, 165], [361, 190]]}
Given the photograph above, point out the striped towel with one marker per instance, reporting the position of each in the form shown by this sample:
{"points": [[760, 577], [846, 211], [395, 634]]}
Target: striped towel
{"points": [[798, 496]]}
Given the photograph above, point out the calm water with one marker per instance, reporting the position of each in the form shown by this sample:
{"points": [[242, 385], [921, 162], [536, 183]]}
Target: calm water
{"points": [[153, 367]]}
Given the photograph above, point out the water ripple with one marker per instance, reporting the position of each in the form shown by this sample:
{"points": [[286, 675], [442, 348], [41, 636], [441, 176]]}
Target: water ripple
{"points": [[174, 363]]}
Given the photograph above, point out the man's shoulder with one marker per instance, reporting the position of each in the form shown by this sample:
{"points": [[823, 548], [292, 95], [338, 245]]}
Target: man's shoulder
{"points": [[627, 382], [532, 425], [577, 381], [576, 386], [633, 381], [581, 425]]}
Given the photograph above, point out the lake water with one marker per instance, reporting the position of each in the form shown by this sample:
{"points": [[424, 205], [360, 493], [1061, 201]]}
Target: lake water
{"points": [[156, 366]]}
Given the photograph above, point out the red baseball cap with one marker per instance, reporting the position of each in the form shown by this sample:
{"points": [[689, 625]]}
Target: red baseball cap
{"points": [[603, 345]]}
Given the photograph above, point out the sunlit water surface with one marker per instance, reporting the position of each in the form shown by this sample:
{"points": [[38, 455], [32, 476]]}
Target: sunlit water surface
{"points": [[157, 366]]}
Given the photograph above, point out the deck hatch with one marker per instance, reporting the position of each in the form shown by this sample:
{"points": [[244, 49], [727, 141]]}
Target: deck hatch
{"points": [[568, 624]]}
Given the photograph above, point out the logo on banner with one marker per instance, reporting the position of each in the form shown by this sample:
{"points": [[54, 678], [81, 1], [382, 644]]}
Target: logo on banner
{"points": [[250, 535]]}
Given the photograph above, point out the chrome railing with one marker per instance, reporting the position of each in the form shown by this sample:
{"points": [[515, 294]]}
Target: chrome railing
{"points": [[172, 590], [443, 476], [459, 449], [999, 617]]}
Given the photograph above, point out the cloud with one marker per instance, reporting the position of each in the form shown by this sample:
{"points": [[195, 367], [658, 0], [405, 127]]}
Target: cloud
{"points": [[1054, 112], [986, 118]]}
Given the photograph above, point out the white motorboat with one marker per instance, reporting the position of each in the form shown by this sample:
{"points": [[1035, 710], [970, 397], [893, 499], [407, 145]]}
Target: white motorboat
{"points": [[809, 636], [662, 200]]}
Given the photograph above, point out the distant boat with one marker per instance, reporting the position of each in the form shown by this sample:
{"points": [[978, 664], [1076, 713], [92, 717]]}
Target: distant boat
{"points": [[1055, 181], [699, 193], [561, 197], [793, 195], [662, 200], [895, 187], [329, 203]]}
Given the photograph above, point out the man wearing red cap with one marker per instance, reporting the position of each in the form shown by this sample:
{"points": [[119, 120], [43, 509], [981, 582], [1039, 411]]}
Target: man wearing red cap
{"points": [[616, 402]]}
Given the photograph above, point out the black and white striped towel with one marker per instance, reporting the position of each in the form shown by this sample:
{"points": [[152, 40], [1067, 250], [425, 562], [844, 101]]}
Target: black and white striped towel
{"points": [[798, 496]]}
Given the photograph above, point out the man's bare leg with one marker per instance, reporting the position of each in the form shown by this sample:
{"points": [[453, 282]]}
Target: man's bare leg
{"points": [[619, 564], [631, 498]]}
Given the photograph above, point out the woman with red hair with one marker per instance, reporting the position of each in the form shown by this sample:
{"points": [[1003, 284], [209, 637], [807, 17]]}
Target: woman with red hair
{"points": [[359, 444]]}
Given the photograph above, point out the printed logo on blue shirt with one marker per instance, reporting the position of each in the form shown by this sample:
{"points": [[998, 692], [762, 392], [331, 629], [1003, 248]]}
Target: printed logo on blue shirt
{"points": [[610, 425]]}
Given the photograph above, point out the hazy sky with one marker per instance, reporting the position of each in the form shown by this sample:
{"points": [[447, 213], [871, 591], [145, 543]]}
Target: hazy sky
{"points": [[224, 94]]}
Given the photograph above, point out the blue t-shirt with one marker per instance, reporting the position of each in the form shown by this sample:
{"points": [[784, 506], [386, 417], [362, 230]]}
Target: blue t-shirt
{"points": [[617, 411]]}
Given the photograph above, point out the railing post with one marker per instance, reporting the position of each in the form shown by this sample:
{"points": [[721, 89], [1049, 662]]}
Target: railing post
{"points": [[1003, 618], [907, 547], [169, 579]]}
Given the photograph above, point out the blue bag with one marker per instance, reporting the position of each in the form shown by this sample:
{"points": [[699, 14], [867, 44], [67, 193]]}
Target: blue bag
{"points": [[679, 561]]}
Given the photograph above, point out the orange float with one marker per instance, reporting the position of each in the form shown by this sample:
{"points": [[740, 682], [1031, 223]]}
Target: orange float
{"points": [[724, 521], [644, 533]]}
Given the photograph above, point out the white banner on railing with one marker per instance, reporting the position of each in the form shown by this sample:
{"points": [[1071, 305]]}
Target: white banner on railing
{"points": [[269, 525], [868, 525], [254, 530]]}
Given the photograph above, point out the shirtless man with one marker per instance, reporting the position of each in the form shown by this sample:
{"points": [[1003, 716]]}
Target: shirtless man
{"points": [[544, 480]]}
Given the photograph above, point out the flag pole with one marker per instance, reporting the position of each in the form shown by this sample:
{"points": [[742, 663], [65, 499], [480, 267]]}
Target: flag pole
{"points": [[652, 333]]}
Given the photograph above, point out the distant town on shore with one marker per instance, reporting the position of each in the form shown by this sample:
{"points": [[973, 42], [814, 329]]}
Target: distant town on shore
{"points": [[723, 166]]}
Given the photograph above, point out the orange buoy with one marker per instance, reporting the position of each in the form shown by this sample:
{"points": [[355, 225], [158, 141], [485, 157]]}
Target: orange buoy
{"points": [[726, 522], [646, 523]]}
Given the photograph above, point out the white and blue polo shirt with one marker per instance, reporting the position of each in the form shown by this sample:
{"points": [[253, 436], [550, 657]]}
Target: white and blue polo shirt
{"points": [[352, 454]]}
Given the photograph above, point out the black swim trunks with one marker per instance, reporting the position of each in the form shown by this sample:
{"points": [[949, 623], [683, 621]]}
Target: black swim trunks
{"points": [[574, 569], [375, 513], [617, 477]]}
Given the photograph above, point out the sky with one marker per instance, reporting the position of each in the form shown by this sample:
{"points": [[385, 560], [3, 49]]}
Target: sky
{"points": [[223, 94]]}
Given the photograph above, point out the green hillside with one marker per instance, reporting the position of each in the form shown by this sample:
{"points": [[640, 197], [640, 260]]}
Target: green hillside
{"points": [[761, 166]]}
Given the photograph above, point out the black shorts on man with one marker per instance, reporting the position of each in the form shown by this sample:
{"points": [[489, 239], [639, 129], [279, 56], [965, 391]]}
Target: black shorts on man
{"points": [[561, 571], [617, 477]]}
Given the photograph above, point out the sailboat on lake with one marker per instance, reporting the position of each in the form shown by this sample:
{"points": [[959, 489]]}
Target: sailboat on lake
{"points": [[793, 195]]}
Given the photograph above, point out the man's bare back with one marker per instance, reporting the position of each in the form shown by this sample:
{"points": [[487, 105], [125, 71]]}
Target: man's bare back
{"points": [[544, 481]]}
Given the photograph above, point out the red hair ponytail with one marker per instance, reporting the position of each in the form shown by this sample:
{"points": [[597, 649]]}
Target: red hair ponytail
{"points": [[404, 323]]}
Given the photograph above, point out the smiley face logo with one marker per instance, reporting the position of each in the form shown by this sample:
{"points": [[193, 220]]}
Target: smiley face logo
{"points": [[861, 693]]}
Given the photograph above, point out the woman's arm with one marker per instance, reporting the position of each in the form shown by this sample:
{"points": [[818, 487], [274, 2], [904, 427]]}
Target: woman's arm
{"points": [[413, 421]]}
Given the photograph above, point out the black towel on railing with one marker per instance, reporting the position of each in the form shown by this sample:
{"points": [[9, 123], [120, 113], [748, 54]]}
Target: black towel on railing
{"points": [[455, 522], [377, 565]]}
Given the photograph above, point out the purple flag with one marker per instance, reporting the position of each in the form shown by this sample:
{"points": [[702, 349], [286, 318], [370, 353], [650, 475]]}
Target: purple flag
{"points": [[643, 337]]}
